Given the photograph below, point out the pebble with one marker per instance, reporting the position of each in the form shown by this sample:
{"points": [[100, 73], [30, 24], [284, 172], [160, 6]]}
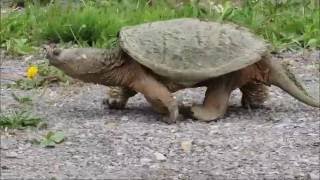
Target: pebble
{"points": [[159, 156], [28, 58], [145, 160], [124, 118], [186, 146], [4, 147], [111, 125], [68, 143], [4, 167], [11, 155]]}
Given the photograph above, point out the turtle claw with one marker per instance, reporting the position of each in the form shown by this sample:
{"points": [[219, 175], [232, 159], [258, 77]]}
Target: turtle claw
{"points": [[174, 115], [114, 103]]}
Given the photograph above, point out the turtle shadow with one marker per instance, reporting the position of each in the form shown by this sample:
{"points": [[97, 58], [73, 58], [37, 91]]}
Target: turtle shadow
{"points": [[144, 112], [147, 114], [232, 109]]}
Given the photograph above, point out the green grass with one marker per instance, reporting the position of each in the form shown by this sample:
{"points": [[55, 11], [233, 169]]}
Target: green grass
{"points": [[25, 100], [21, 117], [289, 25], [19, 120]]}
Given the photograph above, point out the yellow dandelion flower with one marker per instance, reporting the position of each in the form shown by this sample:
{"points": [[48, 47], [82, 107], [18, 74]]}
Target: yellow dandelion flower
{"points": [[32, 72]]}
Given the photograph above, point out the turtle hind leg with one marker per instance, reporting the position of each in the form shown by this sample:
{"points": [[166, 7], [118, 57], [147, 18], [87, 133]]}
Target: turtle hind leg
{"points": [[117, 97], [215, 103], [254, 94]]}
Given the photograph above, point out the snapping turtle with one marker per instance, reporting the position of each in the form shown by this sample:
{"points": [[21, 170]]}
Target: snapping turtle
{"points": [[161, 57]]}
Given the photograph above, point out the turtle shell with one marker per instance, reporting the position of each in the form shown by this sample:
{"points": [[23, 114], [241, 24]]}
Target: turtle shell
{"points": [[189, 50]]}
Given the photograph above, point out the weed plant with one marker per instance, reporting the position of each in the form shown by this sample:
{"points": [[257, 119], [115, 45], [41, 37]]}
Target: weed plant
{"points": [[47, 75], [18, 120], [20, 117]]}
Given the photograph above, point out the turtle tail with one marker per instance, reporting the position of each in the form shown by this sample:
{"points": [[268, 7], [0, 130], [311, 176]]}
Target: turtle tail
{"points": [[282, 77]]}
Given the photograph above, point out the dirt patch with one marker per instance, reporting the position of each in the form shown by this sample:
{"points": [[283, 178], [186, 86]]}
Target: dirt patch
{"points": [[280, 140]]}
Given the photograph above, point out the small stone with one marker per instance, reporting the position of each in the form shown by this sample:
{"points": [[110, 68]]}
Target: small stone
{"points": [[173, 130], [11, 155], [77, 157], [172, 154], [154, 166], [4, 147], [111, 125], [28, 58], [182, 176], [124, 118], [68, 143], [145, 160], [186, 146], [159, 156], [4, 167]]}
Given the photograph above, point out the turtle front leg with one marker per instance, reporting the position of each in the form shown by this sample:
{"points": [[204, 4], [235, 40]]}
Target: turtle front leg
{"points": [[215, 103], [254, 94], [158, 96], [117, 97]]}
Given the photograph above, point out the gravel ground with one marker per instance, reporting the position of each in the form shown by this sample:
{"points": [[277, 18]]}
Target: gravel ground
{"points": [[280, 140]]}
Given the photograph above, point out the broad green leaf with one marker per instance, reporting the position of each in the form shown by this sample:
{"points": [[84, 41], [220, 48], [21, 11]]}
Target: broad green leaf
{"points": [[57, 137], [47, 143]]}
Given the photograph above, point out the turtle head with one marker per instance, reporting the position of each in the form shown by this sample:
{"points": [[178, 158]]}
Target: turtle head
{"points": [[52, 53], [79, 63]]}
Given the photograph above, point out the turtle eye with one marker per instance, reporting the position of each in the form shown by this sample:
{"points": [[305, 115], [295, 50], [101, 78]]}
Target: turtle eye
{"points": [[56, 52]]}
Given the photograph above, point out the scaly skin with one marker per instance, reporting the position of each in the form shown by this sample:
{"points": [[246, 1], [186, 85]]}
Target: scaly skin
{"points": [[254, 94]]}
